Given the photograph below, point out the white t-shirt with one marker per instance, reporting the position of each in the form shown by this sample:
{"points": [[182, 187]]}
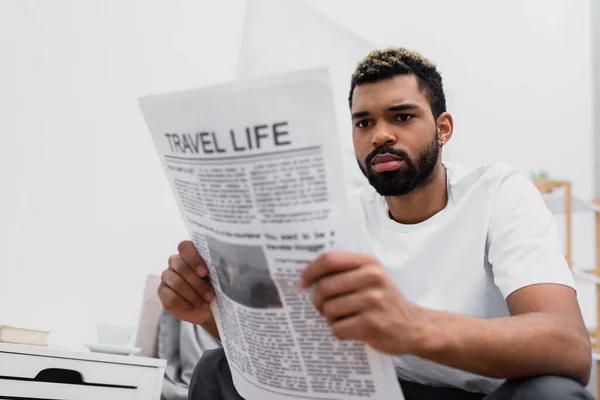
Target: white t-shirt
{"points": [[495, 236]]}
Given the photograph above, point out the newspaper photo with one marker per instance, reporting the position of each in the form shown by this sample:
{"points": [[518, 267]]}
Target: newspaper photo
{"points": [[256, 169]]}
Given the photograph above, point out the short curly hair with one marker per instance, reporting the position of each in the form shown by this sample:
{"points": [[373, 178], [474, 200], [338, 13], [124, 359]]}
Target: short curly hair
{"points": [[384, 64]]}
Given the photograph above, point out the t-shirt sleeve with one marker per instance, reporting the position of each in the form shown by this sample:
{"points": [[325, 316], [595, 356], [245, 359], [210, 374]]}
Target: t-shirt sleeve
{"points": [[523, 244]]}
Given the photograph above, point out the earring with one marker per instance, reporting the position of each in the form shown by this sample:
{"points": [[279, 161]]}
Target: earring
{"points": [[442, 144]]}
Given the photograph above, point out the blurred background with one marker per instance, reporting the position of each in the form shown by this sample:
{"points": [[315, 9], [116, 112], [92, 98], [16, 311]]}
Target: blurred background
{"points": [[86, 212]]}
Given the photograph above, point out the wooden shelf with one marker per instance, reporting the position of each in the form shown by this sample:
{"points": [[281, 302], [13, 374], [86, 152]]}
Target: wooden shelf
{"points": [[586, 275], [555, 202]]}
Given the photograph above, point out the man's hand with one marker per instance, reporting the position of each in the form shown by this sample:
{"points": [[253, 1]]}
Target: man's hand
{"points": [[184, 289], [359, 301], [545, 335]]}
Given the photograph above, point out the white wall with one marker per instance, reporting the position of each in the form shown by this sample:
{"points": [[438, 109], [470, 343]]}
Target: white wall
{"points": [[86, 211], [595, 21], [517, 74], [338, 49]]}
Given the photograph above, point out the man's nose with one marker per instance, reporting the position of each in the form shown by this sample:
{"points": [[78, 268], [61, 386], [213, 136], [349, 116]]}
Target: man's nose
{"points": [[383, 135]]}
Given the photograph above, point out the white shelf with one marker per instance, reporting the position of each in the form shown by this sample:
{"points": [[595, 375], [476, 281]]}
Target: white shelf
{"points": [[586, 276], [555, 202], [86, 355]]}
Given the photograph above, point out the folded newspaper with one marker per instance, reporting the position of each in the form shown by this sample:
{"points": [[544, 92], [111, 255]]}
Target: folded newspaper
{"points": [[256, 169]]}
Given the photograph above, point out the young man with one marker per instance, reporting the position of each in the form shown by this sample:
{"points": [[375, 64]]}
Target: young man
{"points": [[459, 275]]}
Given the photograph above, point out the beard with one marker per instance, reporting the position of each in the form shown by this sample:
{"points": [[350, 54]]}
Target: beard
{"points": [[411, 174]]}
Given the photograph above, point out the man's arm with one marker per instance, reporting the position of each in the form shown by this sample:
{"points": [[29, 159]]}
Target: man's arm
{"points": [[544, 336], [546, 333], [210, 326]]}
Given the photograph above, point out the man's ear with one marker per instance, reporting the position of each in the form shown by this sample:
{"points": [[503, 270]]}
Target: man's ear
{"points": [[445, 125]]}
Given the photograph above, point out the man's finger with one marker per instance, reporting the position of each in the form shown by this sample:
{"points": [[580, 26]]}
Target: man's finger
{"points": [[352, 327], [188, 252], [332, 262], [171, 300], [343, 307], [346, 282], [201, 286], [181, 287]]}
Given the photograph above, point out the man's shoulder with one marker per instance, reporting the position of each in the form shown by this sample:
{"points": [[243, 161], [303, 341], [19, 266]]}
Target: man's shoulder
{"points": [[489, 171], [487, 176], [498, 187]]}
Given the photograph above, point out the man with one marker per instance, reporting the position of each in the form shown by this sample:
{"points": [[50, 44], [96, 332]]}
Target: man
{"points": [[459, 275]]}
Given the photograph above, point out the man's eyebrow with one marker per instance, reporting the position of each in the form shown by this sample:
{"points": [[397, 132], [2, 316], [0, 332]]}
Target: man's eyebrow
{"points": [[398, 107], [403, 107], [360, 114]]}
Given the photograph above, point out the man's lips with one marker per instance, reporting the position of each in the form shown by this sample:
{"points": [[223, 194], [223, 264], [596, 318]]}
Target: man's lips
{"points": [[386, 162]]}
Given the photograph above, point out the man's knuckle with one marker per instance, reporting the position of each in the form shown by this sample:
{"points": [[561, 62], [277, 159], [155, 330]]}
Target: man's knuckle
{"points": [[373, 260], [161, 291], [374, 297], [329, 258], [169, 303], [323, 287], [164, 275], [376, 274], [170, 279], [183, 246], [316, 300], [177, 265], [196, 300], [372, 321], [341, 333], [337, 332], [165, 296]]}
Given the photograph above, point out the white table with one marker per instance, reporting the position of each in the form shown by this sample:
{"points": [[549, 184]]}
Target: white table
{"points": [[34, 372]]}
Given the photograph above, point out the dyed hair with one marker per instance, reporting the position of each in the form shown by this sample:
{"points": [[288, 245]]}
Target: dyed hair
{"points": [[380, 65]]}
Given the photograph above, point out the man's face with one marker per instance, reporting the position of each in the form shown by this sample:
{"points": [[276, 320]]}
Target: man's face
{"points": [[394, 134]]}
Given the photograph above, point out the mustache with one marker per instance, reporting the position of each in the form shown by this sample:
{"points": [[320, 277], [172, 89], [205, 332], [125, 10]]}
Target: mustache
{"points": [[386, 150]]}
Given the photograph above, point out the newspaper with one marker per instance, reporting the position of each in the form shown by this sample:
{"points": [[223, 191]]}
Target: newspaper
{"points": [[255, 167]]}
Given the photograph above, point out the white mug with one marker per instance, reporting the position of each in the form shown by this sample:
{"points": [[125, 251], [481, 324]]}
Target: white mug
{"points": [[114, 335]]}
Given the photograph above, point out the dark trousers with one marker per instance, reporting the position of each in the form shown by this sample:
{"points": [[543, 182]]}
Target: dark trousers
{"points": [[212, 380]]}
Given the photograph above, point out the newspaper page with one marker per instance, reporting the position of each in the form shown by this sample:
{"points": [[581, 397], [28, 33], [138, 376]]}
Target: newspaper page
{"points": [[256, 169]]}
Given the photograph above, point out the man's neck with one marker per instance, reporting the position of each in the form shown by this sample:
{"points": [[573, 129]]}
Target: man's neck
{"points": [[422, 203]]}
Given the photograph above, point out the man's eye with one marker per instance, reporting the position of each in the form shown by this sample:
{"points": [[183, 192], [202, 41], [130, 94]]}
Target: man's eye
{"points": [[363, 124], [403, 117]]}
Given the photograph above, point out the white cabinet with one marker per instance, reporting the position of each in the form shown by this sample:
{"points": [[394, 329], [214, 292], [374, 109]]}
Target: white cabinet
{"points": [[45, 373]]}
